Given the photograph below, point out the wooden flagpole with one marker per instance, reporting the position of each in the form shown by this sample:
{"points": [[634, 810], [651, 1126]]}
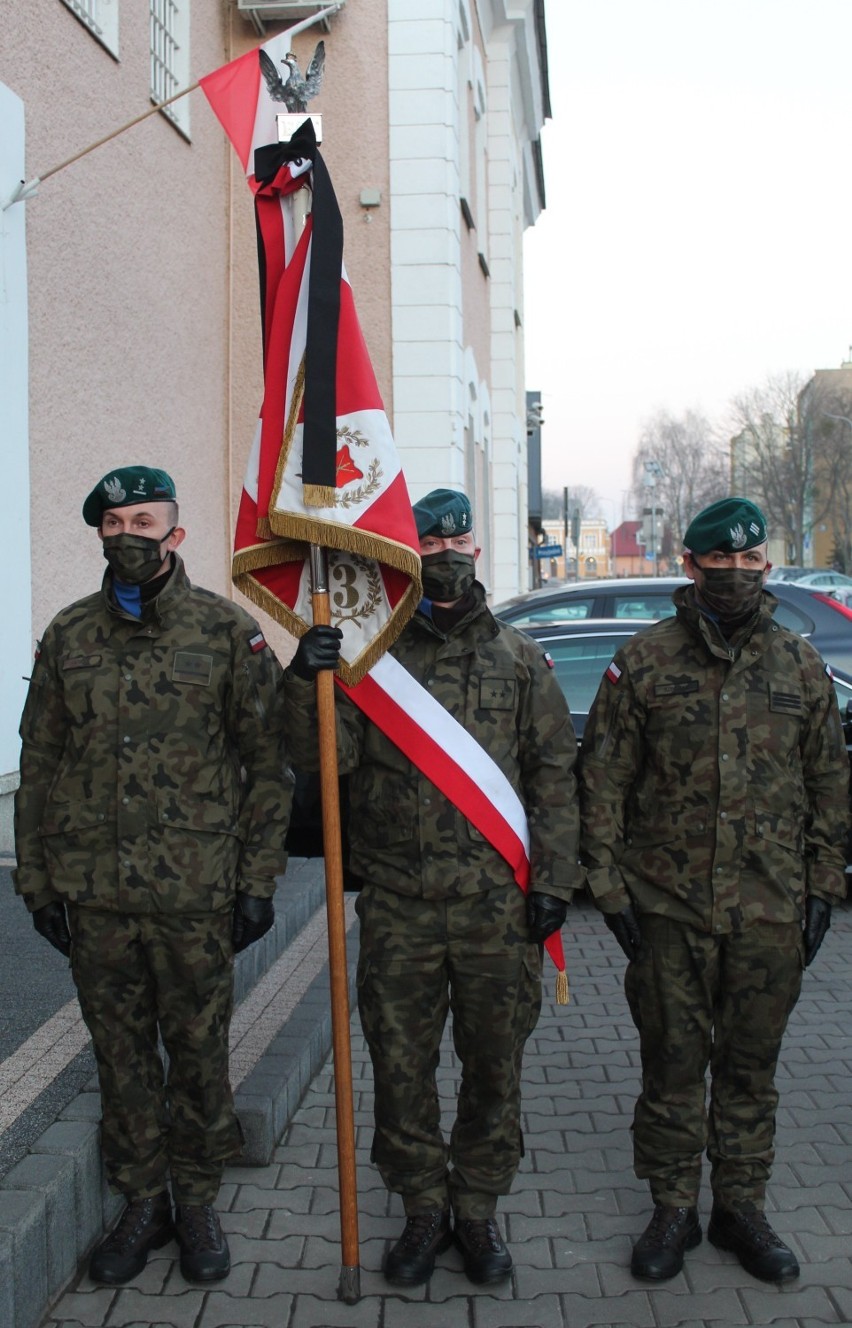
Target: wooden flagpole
{"points": [[349, 1287]]}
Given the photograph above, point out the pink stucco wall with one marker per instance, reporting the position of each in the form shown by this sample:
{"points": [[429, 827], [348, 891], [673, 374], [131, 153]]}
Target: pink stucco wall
{"points": [[128, 289]]}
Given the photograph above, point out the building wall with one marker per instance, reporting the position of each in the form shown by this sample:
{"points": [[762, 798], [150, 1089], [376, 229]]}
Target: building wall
{"points": [[15, 598], [127, 292], [128, 289]]}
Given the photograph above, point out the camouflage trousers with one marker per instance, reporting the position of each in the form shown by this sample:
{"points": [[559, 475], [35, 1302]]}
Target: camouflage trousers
{"points": [[418, 961], [700, 999], [136, 975]]}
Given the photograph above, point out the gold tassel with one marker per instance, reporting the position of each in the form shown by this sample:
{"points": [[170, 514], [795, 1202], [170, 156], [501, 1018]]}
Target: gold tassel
{"points": [[318, 495], [562, 996]]}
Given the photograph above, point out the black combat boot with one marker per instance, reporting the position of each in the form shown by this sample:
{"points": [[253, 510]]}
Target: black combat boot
{"points": [[204, 1253], [759, 1249], [658, 1253], [145, 1225], [486, 1258], [412, 1259]]}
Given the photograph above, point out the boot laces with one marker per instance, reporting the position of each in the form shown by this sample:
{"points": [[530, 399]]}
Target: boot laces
{"points": [[135, 1216], [200, 1225], [760, 1231], [482, 1234], [420, 1228], [667, 1222]]}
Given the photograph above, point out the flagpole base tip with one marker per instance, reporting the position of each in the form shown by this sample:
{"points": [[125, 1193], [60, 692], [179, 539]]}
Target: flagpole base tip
{"points": [[349, 1286]]}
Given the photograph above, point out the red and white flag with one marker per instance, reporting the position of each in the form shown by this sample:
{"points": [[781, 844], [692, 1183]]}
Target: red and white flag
{"points": [[323, 467]]}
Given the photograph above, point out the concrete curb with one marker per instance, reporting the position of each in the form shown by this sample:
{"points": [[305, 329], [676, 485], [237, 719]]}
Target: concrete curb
{"points": [[269, 1095], [55, 1204]]}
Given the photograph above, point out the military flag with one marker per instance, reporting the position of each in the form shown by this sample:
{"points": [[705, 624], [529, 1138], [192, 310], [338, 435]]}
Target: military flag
{"points": [[323, 468]]}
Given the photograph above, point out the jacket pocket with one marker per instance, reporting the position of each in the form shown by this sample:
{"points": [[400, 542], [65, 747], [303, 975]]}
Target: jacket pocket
{"points": [[205, 815], [62, 818], [771, 828]]}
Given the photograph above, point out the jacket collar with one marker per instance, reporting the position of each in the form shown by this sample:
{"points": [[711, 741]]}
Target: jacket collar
{"points": [[173, 592], [702, 624]]}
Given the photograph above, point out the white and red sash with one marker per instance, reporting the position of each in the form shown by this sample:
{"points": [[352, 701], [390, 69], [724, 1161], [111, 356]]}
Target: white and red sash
{"points": [[442, 749]]}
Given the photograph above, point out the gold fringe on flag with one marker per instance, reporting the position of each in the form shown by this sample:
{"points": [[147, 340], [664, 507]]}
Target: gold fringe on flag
{"points": [[318, 495], [562, 994]]}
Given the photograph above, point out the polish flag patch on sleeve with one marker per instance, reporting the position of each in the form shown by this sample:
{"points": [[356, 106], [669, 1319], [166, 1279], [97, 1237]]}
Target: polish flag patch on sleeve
{"points": [[548, 659], [257, 642], [613, 672]]}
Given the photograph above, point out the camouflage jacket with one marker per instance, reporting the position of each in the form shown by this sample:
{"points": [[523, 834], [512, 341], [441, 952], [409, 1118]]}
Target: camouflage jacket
{"points": [[153, 771], [715, 777], [405, 835]]}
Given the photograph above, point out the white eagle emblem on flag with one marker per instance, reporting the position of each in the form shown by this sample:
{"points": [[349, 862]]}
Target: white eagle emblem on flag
{"points": [[738, 536], [114, 491]]}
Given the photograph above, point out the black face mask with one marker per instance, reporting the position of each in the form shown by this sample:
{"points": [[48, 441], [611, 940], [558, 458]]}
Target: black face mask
{"points": [[135, 558], [733, 593], [447, 575]]}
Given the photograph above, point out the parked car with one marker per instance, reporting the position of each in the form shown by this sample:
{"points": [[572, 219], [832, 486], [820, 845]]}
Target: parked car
{"points": [[581, 650], [814, 614], [787, 573], [822, 579]]}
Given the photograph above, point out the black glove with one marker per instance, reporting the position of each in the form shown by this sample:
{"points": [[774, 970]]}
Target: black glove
{"points": [[252, 919], [625, 928], [545, 915], [51, 923], [318, 649], [817, 923]]}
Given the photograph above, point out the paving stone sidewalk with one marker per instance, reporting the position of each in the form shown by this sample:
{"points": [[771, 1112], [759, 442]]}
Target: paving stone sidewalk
{"points": [[575, 1207]]}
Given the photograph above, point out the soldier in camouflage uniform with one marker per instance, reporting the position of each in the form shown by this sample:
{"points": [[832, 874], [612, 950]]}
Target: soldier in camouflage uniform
{"points": [[714, 806], [149, 826], [444, 926]]}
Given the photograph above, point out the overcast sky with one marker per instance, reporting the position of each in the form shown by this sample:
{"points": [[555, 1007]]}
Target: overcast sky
{"points": [[698, 228]]}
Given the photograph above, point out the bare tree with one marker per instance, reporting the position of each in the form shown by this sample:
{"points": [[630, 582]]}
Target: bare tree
{"points": [[779, 446], [688, 467], [580, 497]]}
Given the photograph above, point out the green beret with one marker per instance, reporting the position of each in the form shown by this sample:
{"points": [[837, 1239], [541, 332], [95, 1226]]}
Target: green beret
{"points": [[125, 488], [731, 525], [444, 513]]}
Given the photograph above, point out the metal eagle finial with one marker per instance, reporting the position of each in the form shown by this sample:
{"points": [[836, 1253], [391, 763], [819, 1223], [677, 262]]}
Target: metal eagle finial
{"points": [[294, 91]]}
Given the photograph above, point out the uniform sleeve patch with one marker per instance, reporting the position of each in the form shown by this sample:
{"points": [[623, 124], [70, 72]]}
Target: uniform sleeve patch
{"points": [[257, 642], [548, 659], [613, 672], [828, 671]]}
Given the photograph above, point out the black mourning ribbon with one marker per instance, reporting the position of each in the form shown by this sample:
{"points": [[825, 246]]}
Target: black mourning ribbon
{"points": [[319, 448]]}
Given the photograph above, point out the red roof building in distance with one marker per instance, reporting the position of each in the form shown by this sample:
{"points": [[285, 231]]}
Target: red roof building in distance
{"points": [[626, 553]]}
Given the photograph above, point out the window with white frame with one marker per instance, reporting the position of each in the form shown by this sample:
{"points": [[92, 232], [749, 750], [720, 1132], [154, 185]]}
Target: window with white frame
{"points": [[170, 58], [100, 17]]}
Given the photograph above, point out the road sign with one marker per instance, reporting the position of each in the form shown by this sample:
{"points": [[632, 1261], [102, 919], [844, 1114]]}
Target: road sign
{"points": [[547, 550]]}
